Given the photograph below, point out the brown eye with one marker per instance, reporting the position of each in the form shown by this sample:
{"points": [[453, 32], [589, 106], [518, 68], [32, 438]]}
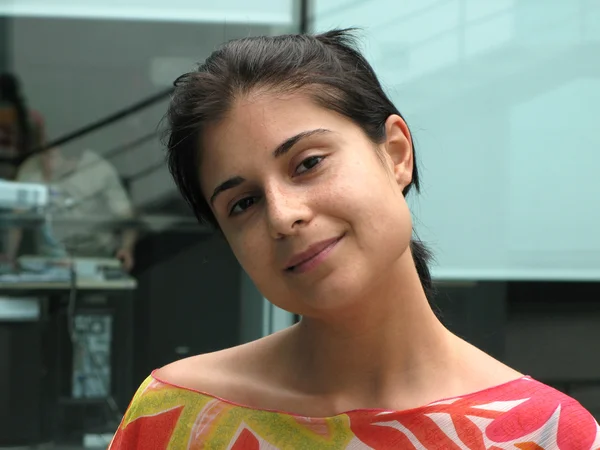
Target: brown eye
{"points": [[308, 164], [242, 205]]}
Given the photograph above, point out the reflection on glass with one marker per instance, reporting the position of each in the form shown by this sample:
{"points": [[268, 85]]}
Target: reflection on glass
{"points": [[91, 223]]}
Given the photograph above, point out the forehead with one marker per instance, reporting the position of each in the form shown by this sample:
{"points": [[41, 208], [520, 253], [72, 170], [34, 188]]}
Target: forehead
{"points": [[265, 118], [256, 124]]}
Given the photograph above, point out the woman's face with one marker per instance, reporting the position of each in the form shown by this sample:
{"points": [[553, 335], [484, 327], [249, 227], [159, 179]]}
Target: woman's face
{"points": [[313, 214]]}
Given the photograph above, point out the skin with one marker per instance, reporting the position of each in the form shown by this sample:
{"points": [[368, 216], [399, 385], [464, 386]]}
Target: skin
{"points": [[368, 337]]}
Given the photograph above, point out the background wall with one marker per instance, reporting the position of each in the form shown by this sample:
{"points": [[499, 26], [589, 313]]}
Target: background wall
{"points": [[502, 97], [233, 11]]}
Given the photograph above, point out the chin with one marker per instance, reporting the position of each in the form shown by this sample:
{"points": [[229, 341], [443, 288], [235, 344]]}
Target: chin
{"points": [[327, 297], [335, 287]]}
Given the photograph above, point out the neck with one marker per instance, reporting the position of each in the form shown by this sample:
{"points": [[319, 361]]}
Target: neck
{"points": [[390, 343]]}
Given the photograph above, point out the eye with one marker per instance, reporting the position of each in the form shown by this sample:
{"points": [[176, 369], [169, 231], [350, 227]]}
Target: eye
{"points": [[242, 205], [308, 164]]}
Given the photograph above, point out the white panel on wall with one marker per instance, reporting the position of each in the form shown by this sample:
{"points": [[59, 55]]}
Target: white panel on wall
{"points": [[503, 99], [232, 11]]}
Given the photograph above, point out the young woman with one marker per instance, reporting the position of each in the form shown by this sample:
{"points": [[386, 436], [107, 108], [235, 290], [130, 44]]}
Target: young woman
{"points": [[291, 148]]}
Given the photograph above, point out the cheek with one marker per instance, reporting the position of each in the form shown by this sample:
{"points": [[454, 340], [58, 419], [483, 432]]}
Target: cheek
{"points": [[248, 250], [373, 204], [360, 192], [253, 250], [255, 259]]}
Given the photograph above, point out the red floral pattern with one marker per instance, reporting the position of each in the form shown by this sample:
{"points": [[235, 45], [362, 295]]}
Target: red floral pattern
{"points": [[523, 414]]}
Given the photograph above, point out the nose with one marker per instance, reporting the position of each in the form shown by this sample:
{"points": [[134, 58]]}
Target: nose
{"points": [[287, 211]]}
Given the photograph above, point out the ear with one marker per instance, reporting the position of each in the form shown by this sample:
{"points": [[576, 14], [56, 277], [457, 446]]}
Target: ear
{"points": [[398, 147]]}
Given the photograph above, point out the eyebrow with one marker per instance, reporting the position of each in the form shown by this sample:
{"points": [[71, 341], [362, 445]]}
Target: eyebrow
{"points": [[281, 150], [287, 145], [228, 184]]}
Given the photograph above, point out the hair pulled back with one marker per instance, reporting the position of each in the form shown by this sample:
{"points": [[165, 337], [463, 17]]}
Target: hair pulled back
{"points": [[328, 66]]}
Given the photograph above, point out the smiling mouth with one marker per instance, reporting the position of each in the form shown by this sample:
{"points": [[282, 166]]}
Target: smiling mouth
{"points": [[312, 260]]}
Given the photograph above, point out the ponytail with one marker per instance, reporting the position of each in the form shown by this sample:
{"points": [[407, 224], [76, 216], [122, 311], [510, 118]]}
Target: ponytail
{"points": [[421, 257]]}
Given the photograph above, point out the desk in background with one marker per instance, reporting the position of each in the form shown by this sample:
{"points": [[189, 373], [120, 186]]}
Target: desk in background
{"points": [[39, 399]]}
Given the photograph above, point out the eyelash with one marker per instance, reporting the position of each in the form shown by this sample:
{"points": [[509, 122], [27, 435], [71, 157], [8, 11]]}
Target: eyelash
{"points": [[310, 158], [319, 157]]}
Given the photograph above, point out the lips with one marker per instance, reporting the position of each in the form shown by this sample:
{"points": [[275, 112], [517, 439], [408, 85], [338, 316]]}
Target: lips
{"points": [[313, 251]]}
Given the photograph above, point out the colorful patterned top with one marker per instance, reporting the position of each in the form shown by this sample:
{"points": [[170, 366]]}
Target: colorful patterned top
{"points": [[522, 414]]}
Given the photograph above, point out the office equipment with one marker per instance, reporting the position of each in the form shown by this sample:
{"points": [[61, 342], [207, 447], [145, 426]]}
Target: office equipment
{"points": [[60, 322], [92, 340], [20, 309], [15, 195], [42, 273]]}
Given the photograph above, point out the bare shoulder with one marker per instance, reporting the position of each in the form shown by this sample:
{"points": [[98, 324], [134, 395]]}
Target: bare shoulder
{"points": [[236, 374], [483, 370], [193, 372], [204, 372]]}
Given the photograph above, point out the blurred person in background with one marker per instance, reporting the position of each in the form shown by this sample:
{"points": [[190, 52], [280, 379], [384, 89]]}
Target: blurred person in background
{"points": [[85, 190], [21, 132], [290, 147], [21, 129]]}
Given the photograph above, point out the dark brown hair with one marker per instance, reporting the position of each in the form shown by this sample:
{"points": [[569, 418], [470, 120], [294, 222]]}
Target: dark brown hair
{"points": [[10, 91], [328, 66]]}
